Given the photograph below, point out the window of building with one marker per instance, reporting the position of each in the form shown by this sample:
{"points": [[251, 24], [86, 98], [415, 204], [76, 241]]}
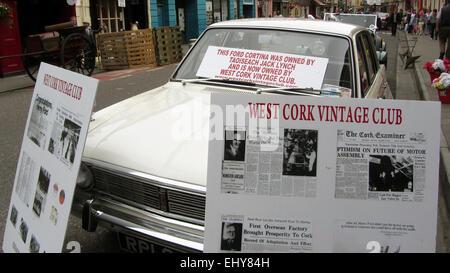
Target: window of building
{"points": [[110, 16], [220, 10]]}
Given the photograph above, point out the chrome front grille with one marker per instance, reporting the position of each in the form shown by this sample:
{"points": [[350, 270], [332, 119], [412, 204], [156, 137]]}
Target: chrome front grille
{"points": [[149, 195]]}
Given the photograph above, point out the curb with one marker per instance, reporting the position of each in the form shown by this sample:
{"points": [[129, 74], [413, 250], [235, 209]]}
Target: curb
{"points": [[444, 163]]}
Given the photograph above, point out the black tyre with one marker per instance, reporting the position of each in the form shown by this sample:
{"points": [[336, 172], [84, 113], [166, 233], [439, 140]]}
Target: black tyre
{"points": [[78, 54], [31, 64]]}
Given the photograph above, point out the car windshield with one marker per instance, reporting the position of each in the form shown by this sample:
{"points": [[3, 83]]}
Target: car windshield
{"points": [[270, 58]]}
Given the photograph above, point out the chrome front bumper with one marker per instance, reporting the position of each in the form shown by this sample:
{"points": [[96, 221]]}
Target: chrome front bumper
{"points": [[117, 216]]}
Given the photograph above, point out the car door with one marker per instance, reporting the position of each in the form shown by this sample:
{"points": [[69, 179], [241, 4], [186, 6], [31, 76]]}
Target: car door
{"points": [[372, 76]]}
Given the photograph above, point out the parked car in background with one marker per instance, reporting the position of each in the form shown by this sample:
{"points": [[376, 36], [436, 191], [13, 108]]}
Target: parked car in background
{"points": [[369, 21], [140, 180], [384, 19]]}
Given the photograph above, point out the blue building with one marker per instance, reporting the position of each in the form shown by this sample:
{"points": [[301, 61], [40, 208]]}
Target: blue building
{"points": [[193, 16]]}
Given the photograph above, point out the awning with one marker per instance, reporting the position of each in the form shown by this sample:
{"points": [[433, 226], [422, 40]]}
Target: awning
{"points": [[320, 3]]}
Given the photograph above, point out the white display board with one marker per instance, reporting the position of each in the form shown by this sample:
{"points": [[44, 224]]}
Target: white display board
{"points": [[49, 160], [304, 174], [263, 67]]}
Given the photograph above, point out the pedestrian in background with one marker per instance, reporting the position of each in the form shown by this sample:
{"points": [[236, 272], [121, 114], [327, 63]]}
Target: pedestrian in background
{"points": [[407, 19], [422, 20], [412, 18], [395, 18], [432, 22], [414, 22], [443, 30]]}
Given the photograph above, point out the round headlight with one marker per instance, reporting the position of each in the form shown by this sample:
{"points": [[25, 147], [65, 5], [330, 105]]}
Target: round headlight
{"points": [[85, 178]]}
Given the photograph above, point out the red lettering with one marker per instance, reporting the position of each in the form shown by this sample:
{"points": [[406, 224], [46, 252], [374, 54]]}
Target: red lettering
{"points": [[294, 112], [253, 110], [349, 115], [261, 110], [310, 111], [399, 118], [366, 115], [284, 111], [302, 112], [276, 108], [269, 110]]}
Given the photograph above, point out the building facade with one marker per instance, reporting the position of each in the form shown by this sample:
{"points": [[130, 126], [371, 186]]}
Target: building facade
{"points": [[29, 17]]}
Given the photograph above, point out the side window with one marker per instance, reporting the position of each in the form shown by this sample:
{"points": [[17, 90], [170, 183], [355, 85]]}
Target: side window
{"points": [[363, 75], [370, 56]]}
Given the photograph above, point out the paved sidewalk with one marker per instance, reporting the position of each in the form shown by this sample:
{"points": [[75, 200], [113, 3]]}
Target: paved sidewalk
{"points": [[428, 50], [11, 83]]}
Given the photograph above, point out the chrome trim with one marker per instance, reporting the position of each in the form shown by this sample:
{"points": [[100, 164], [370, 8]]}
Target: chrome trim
{"points": [[147, 224], [175, 197], [133, 205], [159, 181]]}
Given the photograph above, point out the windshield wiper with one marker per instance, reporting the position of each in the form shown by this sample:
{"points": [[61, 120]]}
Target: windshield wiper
{"points": [[298, 91], [217, 80], [285, 90]]}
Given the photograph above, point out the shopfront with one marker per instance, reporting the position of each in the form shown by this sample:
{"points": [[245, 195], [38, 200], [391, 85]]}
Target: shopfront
{"points": [[29, 17], [114, 16], [220, 10], [264, 8], [10, 42]]}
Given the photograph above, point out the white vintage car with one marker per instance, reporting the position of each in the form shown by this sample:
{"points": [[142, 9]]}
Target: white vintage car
{"points": [[139, 178]]}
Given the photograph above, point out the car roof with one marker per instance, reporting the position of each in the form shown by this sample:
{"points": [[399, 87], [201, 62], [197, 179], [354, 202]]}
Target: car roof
{"points": [[293, 24]]}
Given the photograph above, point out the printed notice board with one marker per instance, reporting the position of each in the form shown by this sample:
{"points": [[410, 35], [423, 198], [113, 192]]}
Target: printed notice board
{"points": [[304, 174], [49, 160]]}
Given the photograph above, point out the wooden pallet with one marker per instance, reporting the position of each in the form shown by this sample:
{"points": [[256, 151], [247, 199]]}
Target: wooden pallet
{"points": [[168, 45], [112, 51], [128, 49], [140, 48]]}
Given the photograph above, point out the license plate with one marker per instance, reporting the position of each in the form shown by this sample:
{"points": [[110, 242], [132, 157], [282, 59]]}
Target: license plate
{"points": [[136, 245]]}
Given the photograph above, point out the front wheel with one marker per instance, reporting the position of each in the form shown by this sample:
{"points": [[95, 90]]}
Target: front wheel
{"points": [[78, 54], [31, 64]]}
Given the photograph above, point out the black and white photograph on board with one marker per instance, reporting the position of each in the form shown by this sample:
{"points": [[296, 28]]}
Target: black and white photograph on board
{"points": [[234, 145], [231, 236], [300, 152], [391, 173], [38, 125], [41, 191], [13, 216], [34, 245], [23, 229], [64, 139]]}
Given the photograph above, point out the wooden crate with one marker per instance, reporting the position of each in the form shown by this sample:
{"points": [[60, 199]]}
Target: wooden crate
{"points": [[168, 45], [112, 51], [128, 49], [140, 48]]}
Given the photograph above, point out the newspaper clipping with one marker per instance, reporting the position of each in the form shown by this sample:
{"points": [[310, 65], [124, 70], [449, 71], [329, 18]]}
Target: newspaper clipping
{"points": [[380, 166], [37, 130], [25, 182], [253, 234], [374, 237], [65, 135], [289, 168]]}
